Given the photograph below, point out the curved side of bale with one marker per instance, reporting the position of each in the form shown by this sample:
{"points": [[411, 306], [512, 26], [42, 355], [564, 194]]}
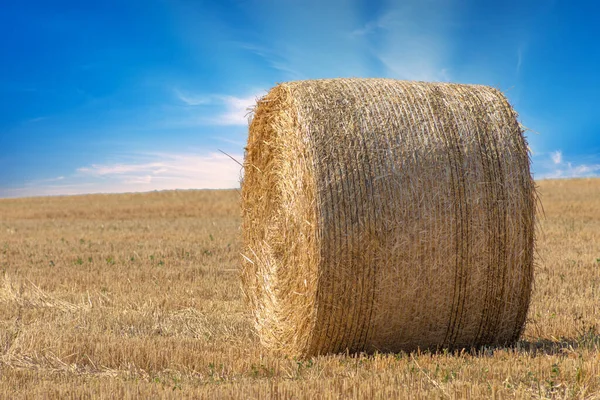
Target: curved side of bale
{"points": [[386, 215]]}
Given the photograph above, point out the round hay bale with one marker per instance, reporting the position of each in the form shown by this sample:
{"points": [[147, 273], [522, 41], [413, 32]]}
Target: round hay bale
{"points": [[385, 215]]}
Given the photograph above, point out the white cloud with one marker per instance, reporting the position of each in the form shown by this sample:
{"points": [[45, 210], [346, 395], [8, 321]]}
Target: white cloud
{"points": [[120, 169], [372, 26], [233, 110], [190, 99], [306, 40], [142, 173], [411, 42], [556, 167], [274, 59], [520, 51], [556, 157], [173, 171], [238, 143], [406, 41], [237, 110]]}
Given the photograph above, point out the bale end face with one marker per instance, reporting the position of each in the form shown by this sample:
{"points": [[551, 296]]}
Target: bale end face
{"points": [[279, 226]]}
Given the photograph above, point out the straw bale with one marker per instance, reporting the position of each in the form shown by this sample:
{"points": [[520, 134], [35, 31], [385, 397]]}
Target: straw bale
{"points": [[385, 215]]}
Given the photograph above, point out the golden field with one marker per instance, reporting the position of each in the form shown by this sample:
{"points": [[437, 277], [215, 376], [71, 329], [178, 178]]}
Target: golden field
{"points": [[137, 296]]}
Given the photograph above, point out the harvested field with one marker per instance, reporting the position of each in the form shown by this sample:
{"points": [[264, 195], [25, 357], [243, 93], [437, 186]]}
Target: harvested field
{"points": [[138, 296]]}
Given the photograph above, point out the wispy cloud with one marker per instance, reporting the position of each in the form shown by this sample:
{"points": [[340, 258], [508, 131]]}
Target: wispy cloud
{"points": [[34, 120], [373, 26], [520, 52], [405, 41], [554, 166], [556, 157], [190, 99], [238, 143], [231, 110], [411, 42], [237, 110], [57, 179], [304, 40], [141, 173], [171, 171], [274, 59]]}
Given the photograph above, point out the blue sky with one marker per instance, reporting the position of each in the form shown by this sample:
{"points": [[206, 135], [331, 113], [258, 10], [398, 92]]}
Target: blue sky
{"points": [[117, 96]]}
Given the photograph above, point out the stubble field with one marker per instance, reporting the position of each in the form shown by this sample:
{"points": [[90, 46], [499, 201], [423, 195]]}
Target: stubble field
{"points": [[137, 296]]}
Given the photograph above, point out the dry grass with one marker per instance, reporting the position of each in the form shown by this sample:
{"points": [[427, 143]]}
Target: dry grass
{"points": [[137, 296]]}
